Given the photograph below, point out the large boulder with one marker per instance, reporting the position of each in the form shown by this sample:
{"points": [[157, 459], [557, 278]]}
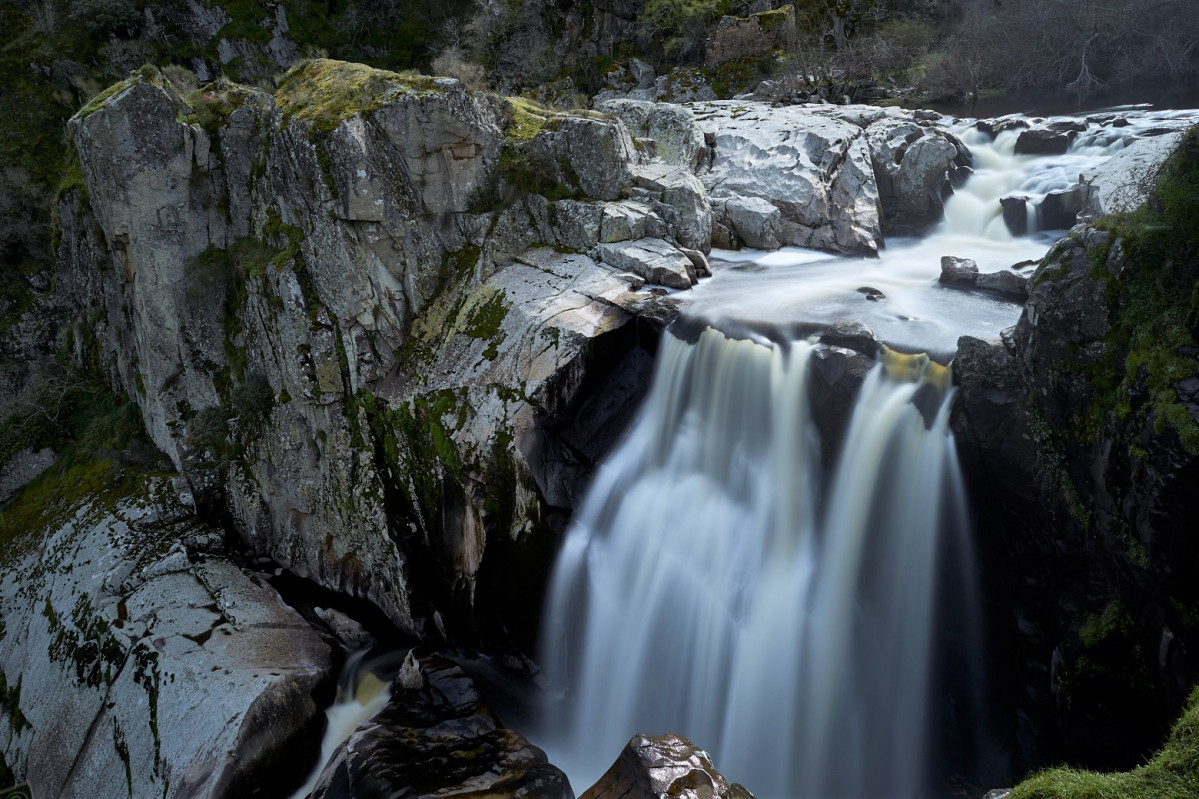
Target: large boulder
{"points": [[138, 661], [317, 299], [1123, 182], [664, 767], [435, 738], [815, 169], [915, 163], [676, 137]]}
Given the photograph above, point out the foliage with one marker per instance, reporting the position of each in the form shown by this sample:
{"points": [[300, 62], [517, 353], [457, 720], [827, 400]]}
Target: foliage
{"points": [[682, 25], [1173, 773]]}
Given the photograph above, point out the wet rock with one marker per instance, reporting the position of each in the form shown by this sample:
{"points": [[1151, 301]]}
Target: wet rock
{"points": [[962, 273], [913, 164], [1124, 181], [996, 126], [1044, 141], [143, 669], [814, 168], [755, 221], [350, 633], [1059, 210], [1015, 214], [434, 738], [851, 335], [664, 767], [872, 294]]}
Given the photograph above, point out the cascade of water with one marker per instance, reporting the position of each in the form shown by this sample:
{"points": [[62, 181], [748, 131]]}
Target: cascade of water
{"points": [[706, 589], [360, 694]]}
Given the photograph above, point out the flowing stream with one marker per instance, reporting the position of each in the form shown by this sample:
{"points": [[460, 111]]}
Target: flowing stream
{"points": [[800, 621]]}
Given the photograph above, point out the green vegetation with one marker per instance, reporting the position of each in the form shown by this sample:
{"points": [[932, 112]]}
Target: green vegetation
{"points": [[1154, 305], [1173, 773], [95, 435], [326, 92]]}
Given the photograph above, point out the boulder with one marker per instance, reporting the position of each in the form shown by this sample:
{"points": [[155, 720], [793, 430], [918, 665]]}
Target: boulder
{"points": [[137, 663], [664, 767], [436, 738], [1015, 214], [914, 164], [962, 273], [598, 150], [755, 221], [656, 260], [814, 169], [628, 220], [679, 198], [677, 138], [1059, 209], [1124, 181], [1044, 141]]}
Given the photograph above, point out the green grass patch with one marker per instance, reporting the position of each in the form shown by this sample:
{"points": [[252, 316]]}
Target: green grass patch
{"points": [[1173, 773]]}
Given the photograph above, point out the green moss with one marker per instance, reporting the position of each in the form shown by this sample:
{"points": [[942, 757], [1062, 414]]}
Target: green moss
{"points": [[1153, 305], [1172, 773], [101, 99], [526, 119], [485, 321], [326, 92]]}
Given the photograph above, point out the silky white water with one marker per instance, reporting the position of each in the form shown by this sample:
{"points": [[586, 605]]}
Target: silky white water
{"points": [[706, 590], [721, 583]]}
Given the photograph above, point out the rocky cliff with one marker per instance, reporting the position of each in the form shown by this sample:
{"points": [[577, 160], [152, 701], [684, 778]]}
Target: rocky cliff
{"points": [[387, 324], [1080, 433]]}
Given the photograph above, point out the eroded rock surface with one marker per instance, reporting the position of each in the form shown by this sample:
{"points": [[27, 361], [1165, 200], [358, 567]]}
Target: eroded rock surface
{"points": [[136, 665]]}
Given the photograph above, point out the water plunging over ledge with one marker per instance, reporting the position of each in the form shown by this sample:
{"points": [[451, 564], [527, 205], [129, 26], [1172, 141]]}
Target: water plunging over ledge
{"points": [[721, 583], [708, 589]]}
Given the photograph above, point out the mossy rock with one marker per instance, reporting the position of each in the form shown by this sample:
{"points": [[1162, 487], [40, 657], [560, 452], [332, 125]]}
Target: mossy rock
{"points": [[327, 92]]}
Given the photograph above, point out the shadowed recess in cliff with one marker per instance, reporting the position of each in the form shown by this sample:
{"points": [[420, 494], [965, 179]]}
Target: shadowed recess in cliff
{"points": [[720, 584]]}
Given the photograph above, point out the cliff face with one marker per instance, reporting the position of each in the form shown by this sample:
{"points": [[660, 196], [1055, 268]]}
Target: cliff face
{"points": [[315, 326], [1079, 431], [387, 324]]}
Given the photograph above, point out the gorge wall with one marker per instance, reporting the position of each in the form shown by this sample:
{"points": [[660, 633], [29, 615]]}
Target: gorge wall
{"points": [[1078, 431], [384, 326]]}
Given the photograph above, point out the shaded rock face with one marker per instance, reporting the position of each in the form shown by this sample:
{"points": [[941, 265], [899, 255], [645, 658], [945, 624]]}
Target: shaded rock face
{"points": [[414, 440], [138, 663], [434, 737], [664, 767], [1086, 502]]}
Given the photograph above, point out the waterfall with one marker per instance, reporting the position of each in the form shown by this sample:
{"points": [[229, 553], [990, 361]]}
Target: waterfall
{"points": [[719, 584]]}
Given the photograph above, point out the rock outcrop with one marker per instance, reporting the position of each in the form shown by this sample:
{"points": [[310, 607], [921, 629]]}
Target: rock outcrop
{"points": [[137, 661], [435, 737], [330, 307], [1080, 438], [839, 177]]}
